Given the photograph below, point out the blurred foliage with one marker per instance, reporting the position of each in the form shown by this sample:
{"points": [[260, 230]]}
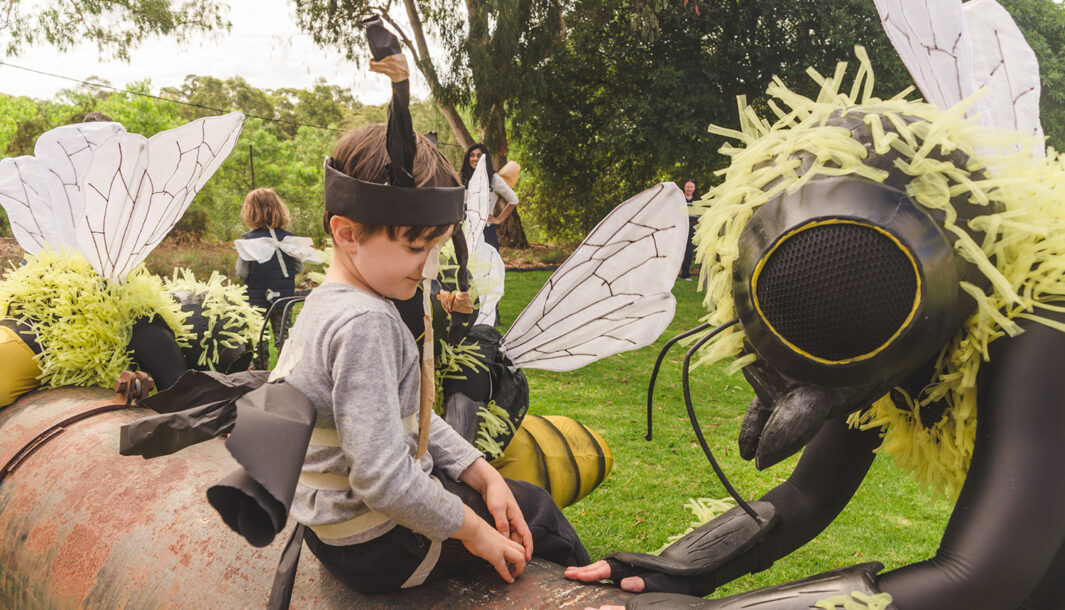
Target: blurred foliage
{"points": [[116, 27], [600, 98], [285, 138], [625, 101]]}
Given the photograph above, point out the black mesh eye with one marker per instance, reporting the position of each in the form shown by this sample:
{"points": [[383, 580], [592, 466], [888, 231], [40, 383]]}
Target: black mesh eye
{"points": [[837, 291]]}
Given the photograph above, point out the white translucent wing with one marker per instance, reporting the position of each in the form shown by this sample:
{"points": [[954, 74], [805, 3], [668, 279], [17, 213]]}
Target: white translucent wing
{"points": [[613, 293], [24, 196], [260, 249], [136, 189], [478, 193], [41, 193], [301, 249], [64, 154], [489, 271], [1006, 65], [932, 39]]}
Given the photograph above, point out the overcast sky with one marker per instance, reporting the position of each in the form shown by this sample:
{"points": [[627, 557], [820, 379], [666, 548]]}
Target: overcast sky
{"points": [[264, 46]]}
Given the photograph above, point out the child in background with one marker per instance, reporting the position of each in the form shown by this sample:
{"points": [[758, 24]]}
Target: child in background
{"points": [[268, 256], [389, 502]]}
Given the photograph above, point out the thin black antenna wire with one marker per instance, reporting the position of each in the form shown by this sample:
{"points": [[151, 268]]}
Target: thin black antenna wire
{"points": [[658, 364], [695, 422]]}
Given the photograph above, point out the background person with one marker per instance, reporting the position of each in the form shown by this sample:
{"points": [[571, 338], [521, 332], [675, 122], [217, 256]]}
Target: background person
{"points": [[268, 256], [689, 246], [500, 189]]}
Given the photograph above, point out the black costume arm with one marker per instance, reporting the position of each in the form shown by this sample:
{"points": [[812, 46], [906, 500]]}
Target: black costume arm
{"points": [[826, 477], [830, 470], [1006, 531]]}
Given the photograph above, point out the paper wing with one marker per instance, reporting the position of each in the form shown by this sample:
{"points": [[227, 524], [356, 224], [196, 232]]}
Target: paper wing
{"points": [[136, 189], [488, 274], [24, 196], [1006, 65], [41, 193], [613, 293], [478, 196], [933, 41]]}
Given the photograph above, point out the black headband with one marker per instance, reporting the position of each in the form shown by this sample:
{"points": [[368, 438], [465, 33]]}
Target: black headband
{"points": [[383, 204]]}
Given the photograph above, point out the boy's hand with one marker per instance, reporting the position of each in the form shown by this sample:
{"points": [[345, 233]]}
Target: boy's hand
{"points": [[507, 514], [505, 555], [500, 502]]}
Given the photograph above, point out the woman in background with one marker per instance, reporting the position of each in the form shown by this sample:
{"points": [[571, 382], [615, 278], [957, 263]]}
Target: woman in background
{"points": [[500, 189]]}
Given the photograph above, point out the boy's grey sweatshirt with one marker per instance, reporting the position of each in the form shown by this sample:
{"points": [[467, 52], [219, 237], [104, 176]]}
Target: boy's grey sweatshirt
{"points": [[351, 355]]}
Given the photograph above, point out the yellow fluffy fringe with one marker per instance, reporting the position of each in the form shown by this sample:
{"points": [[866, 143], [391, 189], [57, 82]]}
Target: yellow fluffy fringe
{"points": [[1022, 256], [83, 322], [231, 321]]}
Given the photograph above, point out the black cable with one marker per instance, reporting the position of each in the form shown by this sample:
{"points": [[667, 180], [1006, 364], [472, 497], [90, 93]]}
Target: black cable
{"points": [[658, 364], [695, 422]]}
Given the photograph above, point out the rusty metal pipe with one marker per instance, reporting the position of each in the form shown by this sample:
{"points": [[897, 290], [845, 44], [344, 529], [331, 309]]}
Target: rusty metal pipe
{"points": [[84, 527]]}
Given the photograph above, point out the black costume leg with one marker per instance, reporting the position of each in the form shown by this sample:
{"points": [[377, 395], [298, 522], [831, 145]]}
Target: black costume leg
{"points": [[154, 349], [385, 563], [1007, 531]]}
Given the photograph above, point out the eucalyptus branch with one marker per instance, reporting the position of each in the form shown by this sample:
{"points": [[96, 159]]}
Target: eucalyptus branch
{"points": [[77, 9]]}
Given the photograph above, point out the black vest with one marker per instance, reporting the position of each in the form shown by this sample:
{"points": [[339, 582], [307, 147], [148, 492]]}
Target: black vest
{"points": [[263, 277]]}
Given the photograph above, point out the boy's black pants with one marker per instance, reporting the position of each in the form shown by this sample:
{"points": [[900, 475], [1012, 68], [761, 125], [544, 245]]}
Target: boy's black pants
{"points": [[387, 562]]}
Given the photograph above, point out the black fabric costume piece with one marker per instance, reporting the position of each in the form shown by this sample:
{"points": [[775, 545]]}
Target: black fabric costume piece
{"points": [[386, 562], [285, 577], [399, 136], [24, 331], [270, 427], [805, 593], [498, 381], [382, 204], [230, 359], [154, 349], [268, 276]]}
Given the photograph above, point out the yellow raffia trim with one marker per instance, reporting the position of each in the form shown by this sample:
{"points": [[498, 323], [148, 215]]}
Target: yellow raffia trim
{"points": [[231, 321], [495, 422], [1022, 254], [84, 322]]}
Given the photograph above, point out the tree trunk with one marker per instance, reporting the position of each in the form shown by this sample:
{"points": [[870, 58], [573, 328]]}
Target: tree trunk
{"points": [[425, 65], [511, 233]]}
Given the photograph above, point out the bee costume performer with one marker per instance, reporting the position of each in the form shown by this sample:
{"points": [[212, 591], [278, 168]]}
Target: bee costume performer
{"points": [[896, 268]]}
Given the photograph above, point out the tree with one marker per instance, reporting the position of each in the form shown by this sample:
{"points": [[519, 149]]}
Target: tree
{"points": [[286, 139], [115, 27], [634, 87], [492, 47]]}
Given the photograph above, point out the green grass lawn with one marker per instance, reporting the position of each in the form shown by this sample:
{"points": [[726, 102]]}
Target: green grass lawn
{"points": [[891, 519]]}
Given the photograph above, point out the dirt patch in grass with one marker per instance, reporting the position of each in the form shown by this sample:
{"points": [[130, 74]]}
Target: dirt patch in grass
{"points": [[10, 254], [536, 256]]}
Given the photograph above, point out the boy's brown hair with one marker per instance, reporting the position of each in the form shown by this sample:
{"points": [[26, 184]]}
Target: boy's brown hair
{"points": [[362, 154], [263, 209]]}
